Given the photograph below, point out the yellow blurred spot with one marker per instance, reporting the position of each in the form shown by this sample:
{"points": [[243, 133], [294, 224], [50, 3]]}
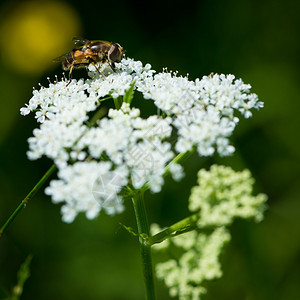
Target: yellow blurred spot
{"points": [[35, 33]]}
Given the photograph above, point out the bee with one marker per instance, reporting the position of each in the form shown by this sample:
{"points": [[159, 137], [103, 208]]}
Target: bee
{"points": [[91, 52]]}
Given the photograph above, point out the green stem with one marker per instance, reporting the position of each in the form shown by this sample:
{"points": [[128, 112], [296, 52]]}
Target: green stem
{"points": [[118, 102], [145, 247], [31, 194], [181, 157], [178, 228], [105, 98], [97, 116]]}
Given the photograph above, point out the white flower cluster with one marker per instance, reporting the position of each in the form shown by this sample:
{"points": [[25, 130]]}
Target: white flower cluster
{"points": [[88, 187], [185, 275], [223, 194], [135, 150], [62, 110], [203, 110], [137, 154]]}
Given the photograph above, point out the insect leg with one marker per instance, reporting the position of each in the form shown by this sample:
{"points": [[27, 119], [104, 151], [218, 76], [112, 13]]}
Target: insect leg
{"points": [[70, 75], [97, 69], [112, 65]]}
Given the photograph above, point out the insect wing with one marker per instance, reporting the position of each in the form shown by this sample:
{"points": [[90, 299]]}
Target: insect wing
{"points": [[79, 41], [60, 58]]}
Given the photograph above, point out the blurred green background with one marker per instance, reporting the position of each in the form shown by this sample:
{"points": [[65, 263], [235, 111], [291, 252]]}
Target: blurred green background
{"points": [[256, 40]]}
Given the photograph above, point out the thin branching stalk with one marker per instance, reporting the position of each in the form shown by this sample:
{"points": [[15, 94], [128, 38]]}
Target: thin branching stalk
{"points": [[31, 194]]}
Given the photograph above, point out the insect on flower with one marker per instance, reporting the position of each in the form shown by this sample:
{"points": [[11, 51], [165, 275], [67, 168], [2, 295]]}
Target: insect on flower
{"points": [[91, 52]]}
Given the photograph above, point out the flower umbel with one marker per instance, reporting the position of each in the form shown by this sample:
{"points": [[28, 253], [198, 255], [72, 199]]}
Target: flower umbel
{"points": [[221, 196], [123, 150], [106, 156], [198, 262]]}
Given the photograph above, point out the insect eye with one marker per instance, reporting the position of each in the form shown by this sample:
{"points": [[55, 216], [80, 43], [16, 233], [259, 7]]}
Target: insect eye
{"points": [[115, 53]]}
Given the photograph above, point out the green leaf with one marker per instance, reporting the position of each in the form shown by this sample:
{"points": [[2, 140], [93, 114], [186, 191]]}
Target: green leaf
{"points": [[127, 98], [129, 229]]}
